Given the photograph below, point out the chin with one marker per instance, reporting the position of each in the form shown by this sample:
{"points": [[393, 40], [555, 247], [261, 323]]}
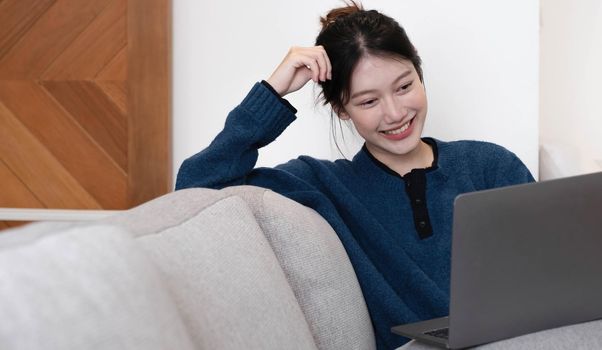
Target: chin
{"points": [[398, 150], [406, 145]]}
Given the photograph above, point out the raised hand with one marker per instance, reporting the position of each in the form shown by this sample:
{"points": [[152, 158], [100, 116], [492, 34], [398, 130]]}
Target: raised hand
{"points": [[300, 65]]}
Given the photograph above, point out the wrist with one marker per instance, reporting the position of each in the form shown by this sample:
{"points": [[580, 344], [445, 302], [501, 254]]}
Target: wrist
{"points": [[271, 88], [275, 87]]}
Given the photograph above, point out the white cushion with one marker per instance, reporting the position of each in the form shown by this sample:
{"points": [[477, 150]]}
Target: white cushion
{"points": [[82, 287]]}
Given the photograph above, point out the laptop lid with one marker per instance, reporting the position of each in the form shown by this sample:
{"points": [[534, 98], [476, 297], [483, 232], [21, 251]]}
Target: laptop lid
{"points": [[526, 258]]}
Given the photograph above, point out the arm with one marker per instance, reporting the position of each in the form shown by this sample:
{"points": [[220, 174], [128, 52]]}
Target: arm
{"points": [[231, 156], [260, 118], [509, 170]]}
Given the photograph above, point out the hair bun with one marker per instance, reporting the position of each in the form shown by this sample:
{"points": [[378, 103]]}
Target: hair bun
{"points": [[340, 12]]}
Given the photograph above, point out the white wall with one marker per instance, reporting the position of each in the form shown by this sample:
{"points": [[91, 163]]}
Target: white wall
{"points": [[480, 64], [571, 94]]}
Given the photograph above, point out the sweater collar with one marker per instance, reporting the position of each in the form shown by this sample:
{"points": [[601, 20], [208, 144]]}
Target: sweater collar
{"points": [[364, 162]]}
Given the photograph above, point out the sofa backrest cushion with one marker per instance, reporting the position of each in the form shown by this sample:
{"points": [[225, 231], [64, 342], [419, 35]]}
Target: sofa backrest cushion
{"points": [[221, 270], [317, 267], [83, 287]]}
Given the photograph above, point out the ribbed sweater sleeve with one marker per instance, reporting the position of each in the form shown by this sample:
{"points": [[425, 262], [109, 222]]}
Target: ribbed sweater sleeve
{"points": [[230, 158]]}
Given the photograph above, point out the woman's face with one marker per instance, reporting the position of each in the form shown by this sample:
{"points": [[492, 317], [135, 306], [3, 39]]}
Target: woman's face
{"points": [[387, 106]]}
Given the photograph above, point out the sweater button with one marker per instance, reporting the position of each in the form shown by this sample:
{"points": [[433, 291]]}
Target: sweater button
{"points": [[422, 224], [418, 201]]}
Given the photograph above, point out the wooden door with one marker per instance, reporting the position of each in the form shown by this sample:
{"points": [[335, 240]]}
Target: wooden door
{"points": [[84, 103]]}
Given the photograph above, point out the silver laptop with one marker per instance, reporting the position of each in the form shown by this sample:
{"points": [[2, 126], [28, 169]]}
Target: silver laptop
{"points": [[524, 258]]}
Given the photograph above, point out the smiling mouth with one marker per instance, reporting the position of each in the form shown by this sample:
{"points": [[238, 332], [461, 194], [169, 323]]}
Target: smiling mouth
{"points": [[399, 130]]}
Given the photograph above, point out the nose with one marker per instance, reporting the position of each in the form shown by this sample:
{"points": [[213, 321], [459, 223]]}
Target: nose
{"points": [[394, 110]]}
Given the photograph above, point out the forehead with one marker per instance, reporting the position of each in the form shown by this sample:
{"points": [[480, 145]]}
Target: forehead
{"points": [[372, 71]]}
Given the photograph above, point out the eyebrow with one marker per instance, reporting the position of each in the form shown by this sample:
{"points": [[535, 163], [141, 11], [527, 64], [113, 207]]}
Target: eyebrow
{"points": [[364, 92]]}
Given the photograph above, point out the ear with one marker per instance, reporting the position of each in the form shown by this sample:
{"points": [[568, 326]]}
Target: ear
{"points": [[343, 115]]}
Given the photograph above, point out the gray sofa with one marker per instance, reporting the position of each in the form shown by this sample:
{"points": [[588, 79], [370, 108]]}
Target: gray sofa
{"points": [[239, 268]]}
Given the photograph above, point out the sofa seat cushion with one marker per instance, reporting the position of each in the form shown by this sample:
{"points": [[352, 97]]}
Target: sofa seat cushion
{"points": [[83, 287]]}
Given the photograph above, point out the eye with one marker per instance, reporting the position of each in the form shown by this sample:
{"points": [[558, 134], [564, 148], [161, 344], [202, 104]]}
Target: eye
{"points": [[405, 86], [368, 103]]}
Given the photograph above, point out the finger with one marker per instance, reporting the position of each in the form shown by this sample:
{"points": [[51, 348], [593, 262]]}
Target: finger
{"points": [[324, 65], [308, 61], [314, 66], [321, 64], [324, 61], [314, 59], [328, 65]]}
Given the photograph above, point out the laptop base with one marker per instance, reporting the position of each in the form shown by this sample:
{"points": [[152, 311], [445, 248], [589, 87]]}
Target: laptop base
{"points": [[419, 330]]}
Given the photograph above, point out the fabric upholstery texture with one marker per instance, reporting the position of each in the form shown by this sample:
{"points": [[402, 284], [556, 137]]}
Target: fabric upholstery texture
{"points": [[317, 269], [82, 287], [241, 268], [166, 211], [220, 269]]}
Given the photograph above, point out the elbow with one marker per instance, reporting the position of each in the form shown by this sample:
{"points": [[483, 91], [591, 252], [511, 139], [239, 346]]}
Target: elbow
{"points": [[184, 178]]}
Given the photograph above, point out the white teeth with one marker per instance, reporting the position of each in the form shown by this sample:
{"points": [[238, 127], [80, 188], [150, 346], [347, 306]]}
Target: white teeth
{"points": [[403, 128]]}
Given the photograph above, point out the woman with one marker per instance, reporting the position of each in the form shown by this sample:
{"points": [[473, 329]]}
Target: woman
{"points": [[391, 205]]}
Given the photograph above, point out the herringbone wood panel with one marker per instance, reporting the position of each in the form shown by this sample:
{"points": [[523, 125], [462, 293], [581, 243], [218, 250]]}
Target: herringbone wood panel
{"points": [[75, 77]]}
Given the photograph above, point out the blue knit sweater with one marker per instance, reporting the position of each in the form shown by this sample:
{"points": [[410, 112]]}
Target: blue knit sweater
{"points": [[404, 278]]}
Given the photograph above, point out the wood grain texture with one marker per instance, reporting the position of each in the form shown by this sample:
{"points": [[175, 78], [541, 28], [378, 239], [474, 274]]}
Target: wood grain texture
{"points": [[12, 224], [149, 103], [104, 122], [67, 141], [31, 161], [17, 16], [117, 92], [48, 37], [85, 102], [98, 44], [116, 69], [14, 192]]}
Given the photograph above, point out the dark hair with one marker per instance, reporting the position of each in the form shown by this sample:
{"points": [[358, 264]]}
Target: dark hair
{"points": [[349, 33]]}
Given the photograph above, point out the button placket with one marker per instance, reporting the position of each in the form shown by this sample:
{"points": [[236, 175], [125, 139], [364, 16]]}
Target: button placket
{"points": [[416, 190]]}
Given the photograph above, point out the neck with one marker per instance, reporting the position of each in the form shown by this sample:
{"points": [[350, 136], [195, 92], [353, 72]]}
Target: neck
{"points": [[421, 157]]}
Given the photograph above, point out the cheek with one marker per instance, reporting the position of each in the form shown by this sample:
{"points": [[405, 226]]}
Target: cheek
{"points": [[365, 120], [417, 100]]}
